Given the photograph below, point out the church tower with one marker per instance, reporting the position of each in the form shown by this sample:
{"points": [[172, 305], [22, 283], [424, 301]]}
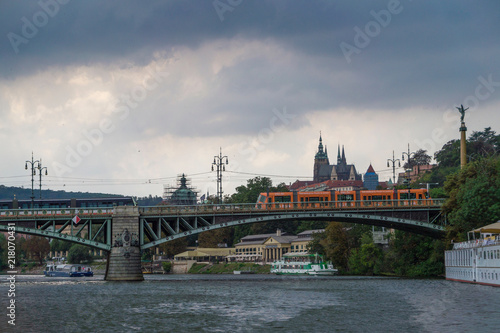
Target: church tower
{"points": [[320, 159]]}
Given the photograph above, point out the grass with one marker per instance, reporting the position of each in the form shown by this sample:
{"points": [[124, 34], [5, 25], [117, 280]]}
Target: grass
{"points": [[228, 268]]}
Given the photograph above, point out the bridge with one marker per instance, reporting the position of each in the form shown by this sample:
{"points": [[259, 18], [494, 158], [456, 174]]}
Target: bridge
{"points": [[125, 231]]}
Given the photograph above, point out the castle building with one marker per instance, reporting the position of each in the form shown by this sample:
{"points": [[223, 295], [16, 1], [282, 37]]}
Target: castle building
{"points": [[324, 171]]}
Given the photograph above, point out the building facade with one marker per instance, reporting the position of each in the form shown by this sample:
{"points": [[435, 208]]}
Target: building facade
{"points": [[271, 247]]}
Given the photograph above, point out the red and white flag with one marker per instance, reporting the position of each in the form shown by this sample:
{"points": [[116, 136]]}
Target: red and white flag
{"points": [[76, 219]]}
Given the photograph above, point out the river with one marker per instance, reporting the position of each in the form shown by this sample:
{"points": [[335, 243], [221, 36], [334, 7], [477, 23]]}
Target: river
{"points": [[250, 303]]}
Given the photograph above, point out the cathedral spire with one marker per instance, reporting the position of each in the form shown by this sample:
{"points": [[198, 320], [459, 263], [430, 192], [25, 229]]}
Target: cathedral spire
{"points": [[343, 156], [339, 160]]}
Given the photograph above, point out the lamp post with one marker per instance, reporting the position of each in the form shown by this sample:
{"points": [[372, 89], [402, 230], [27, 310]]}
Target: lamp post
{"points": [[33, 173], [409, 155], [393, 161], [40, 169], [219, 163], [428, 185]]}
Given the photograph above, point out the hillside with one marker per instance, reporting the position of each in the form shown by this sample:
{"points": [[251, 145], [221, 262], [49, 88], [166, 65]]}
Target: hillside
{"points": [[8, 193]]}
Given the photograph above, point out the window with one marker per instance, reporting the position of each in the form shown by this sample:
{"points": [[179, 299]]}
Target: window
{"points": [[285, 198], [346, 197]]}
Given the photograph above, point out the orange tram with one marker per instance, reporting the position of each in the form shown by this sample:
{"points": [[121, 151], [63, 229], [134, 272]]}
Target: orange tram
{"points": [[341, 199]]}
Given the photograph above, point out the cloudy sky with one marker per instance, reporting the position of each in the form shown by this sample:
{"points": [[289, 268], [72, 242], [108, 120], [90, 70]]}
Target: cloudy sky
{"points": [[122, 96]]}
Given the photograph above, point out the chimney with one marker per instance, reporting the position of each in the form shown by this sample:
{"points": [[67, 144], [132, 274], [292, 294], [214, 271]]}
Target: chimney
{"points": [[278, 232]]}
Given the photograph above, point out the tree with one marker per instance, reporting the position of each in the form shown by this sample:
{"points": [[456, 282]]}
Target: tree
{"points": [[79, 254], [255, 186], [37, 247], [415, 255], [318, 243], [249, 194], [174, 247], [419, 158], [215, 237], [337, 245], [474, 197], [366, 260]]}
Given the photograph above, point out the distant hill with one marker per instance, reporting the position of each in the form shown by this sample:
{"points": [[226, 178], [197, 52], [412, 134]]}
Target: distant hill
{"points": [[8, 193]]}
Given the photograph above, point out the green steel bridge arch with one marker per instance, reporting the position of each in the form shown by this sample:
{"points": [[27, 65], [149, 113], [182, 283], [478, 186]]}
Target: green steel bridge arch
{"points": [[93, 228]]}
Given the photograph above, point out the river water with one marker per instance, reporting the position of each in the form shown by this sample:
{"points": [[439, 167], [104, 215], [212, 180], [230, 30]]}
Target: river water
{"points": [[250, 303]]}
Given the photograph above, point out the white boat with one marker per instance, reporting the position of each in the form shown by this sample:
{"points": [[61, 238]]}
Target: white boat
{"points": [[303, 263], [476, 260]]}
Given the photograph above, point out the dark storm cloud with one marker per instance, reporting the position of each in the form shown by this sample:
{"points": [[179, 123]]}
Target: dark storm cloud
{"points": [[423, 54]]}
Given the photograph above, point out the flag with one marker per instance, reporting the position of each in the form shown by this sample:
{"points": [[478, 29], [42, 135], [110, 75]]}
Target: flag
{"points": [[202, 198], [76, 219]]}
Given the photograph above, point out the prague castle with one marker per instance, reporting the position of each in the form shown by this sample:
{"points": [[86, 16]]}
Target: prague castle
{"points": [[324, 171]]}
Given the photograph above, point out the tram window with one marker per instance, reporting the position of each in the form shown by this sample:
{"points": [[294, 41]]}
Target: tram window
{"points": [[285, 198], [346, 197], [377, 197], [262, 198], [313, 199]]}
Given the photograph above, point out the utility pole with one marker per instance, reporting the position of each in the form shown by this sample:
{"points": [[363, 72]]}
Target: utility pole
{"points": [[33, 173], [40, 169], [428, 185], [408, 170], [219, 163], [393, 161]]}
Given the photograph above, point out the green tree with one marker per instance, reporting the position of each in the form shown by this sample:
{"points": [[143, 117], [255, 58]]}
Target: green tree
{"points": [[255, 186], [366, 260], [474, 197], [167, 266], [337, 245], [318, 244], [79, 254], [215, 237], [249, 194], [176, 246], [415, 255], [419, 158], [37, 247]]}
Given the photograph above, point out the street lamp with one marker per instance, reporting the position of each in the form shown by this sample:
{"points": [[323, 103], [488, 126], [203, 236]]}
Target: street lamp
{"points": [[33, 173], [408, 170], [393, 161], [219, 163], [428, 185], [40, 169]]}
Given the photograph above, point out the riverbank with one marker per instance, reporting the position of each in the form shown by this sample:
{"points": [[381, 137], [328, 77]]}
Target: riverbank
{"points": [[228, 268]]}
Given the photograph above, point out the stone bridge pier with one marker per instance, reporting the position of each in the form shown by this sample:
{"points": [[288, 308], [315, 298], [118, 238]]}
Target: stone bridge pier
{"points": [[124, 260]]}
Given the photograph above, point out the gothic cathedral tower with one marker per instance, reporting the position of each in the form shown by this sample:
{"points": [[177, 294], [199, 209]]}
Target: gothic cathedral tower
{"points": [[320, 159]]}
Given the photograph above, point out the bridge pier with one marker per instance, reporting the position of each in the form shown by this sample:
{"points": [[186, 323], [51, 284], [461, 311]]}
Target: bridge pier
{"points": [[124, 260]]}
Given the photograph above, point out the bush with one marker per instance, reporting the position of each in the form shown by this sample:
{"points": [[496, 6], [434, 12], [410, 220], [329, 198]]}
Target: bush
{"points": [[167, 266], [79, 254]]}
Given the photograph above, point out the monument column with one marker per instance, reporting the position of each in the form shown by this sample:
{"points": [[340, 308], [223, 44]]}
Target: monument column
{"points": [[463, 142], [463, 145], [124, 260]]}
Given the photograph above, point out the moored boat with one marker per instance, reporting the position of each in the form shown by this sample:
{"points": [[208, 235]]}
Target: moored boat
{"points": [[303, 263], [476, 260], [67, 270]]}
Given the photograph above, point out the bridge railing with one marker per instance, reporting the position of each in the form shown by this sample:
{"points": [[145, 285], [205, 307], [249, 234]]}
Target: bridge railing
{"points": [[53, 212], [226, 208], [292, 206]]}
